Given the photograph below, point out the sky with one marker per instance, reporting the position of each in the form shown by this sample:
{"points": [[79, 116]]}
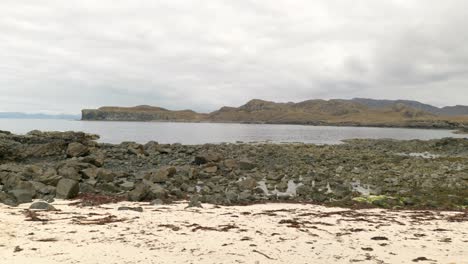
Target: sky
{"points": [[62, 56]]}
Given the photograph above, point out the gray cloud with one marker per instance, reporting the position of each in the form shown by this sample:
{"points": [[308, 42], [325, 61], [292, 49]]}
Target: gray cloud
{"points": [[61, 56]]}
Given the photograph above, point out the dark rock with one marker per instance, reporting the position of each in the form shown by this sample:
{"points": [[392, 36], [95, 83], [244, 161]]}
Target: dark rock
{"points": [[97, 159], [139, 193], [246, 164], [231, 164], [156, 191], [85, 187], [194, 202], [69, 173], [274, 176], [245, 196], [210, 169], [67, 189], [47, 190], [42, 206], [161, 175], [207, 157], [8, 199], [303, 191], [76, 149], [49, 177], [127, 186], [104, 175], [22, 195], [231, 197], [90, 173], [107, 187], [247, 184]]}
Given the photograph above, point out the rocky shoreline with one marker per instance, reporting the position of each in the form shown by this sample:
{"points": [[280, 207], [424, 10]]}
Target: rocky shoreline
{"points": [[361, 173]]}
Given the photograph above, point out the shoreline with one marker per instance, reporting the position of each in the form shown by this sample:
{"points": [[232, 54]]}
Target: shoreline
{"points": [[319, 124], [362, 172]]}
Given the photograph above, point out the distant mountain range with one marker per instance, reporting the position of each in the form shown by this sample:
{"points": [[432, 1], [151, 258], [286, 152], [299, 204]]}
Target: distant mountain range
{"points": [[444, 111], [337, 112], [18, 115]]}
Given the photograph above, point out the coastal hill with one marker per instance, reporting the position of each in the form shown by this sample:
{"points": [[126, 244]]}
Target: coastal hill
{"points": [[354, 112], [141, 113]]}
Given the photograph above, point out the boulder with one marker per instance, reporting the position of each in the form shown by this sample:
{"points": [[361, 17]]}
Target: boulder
{"points": [[246, 164], [96, 159], [67, 189], [41, 205], [156, 191], [90, 173], [69, 173], [194, 202], [134, 148], [127, 185], [247, 184], [211, 169], [139, 193], [207, 157], [26, 185], [245, 196], [31, 172], [49, 177], [231, 164], [303, 191], [160, 175], [104, 175], [274, 176], [46, 190], [76, 149], [108, 187], [22, 195], [8, 199]]}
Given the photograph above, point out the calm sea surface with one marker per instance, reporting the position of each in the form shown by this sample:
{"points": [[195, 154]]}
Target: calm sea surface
{"points": [[199, 133]]}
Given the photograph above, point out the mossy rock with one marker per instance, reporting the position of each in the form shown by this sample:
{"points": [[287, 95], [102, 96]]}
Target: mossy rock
{"points": [[383, 201]]}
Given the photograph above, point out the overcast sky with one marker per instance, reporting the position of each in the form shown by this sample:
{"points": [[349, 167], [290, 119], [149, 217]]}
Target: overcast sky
{"points": [[62, 56]]}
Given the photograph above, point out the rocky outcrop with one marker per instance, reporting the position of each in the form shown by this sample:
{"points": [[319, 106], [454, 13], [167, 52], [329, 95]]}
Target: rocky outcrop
{"points": [[139, 113], [355, 112], [383, 173]]}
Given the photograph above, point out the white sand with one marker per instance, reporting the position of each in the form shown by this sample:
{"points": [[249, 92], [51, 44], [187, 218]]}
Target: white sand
{"points": [[256, 235]]}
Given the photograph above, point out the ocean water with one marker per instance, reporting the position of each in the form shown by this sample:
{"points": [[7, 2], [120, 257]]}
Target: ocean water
{"points": [[200, 133]]}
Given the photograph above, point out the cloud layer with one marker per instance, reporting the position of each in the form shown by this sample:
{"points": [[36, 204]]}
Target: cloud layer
{"points": [[62, 56]]}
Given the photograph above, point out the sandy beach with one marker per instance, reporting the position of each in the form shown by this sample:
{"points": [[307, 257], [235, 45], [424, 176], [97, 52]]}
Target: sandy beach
{"points": [[263, 233]]}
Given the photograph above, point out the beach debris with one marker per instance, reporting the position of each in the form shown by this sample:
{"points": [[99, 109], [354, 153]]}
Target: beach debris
{"points": [[127, 208], [263, 254], [33, 216], [422, 259], [17, 249], [379, 238], [98, 221]]}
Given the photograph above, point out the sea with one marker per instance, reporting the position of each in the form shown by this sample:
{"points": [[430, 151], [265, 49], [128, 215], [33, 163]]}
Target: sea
{"points": [[201, 133]]}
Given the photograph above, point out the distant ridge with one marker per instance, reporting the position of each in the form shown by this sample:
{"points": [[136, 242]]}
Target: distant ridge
{"points": [[444, 111], [19, 115], [337, 112]]}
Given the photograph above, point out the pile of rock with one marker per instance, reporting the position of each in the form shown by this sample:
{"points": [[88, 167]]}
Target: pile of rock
{"points": [[62, 165]]}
